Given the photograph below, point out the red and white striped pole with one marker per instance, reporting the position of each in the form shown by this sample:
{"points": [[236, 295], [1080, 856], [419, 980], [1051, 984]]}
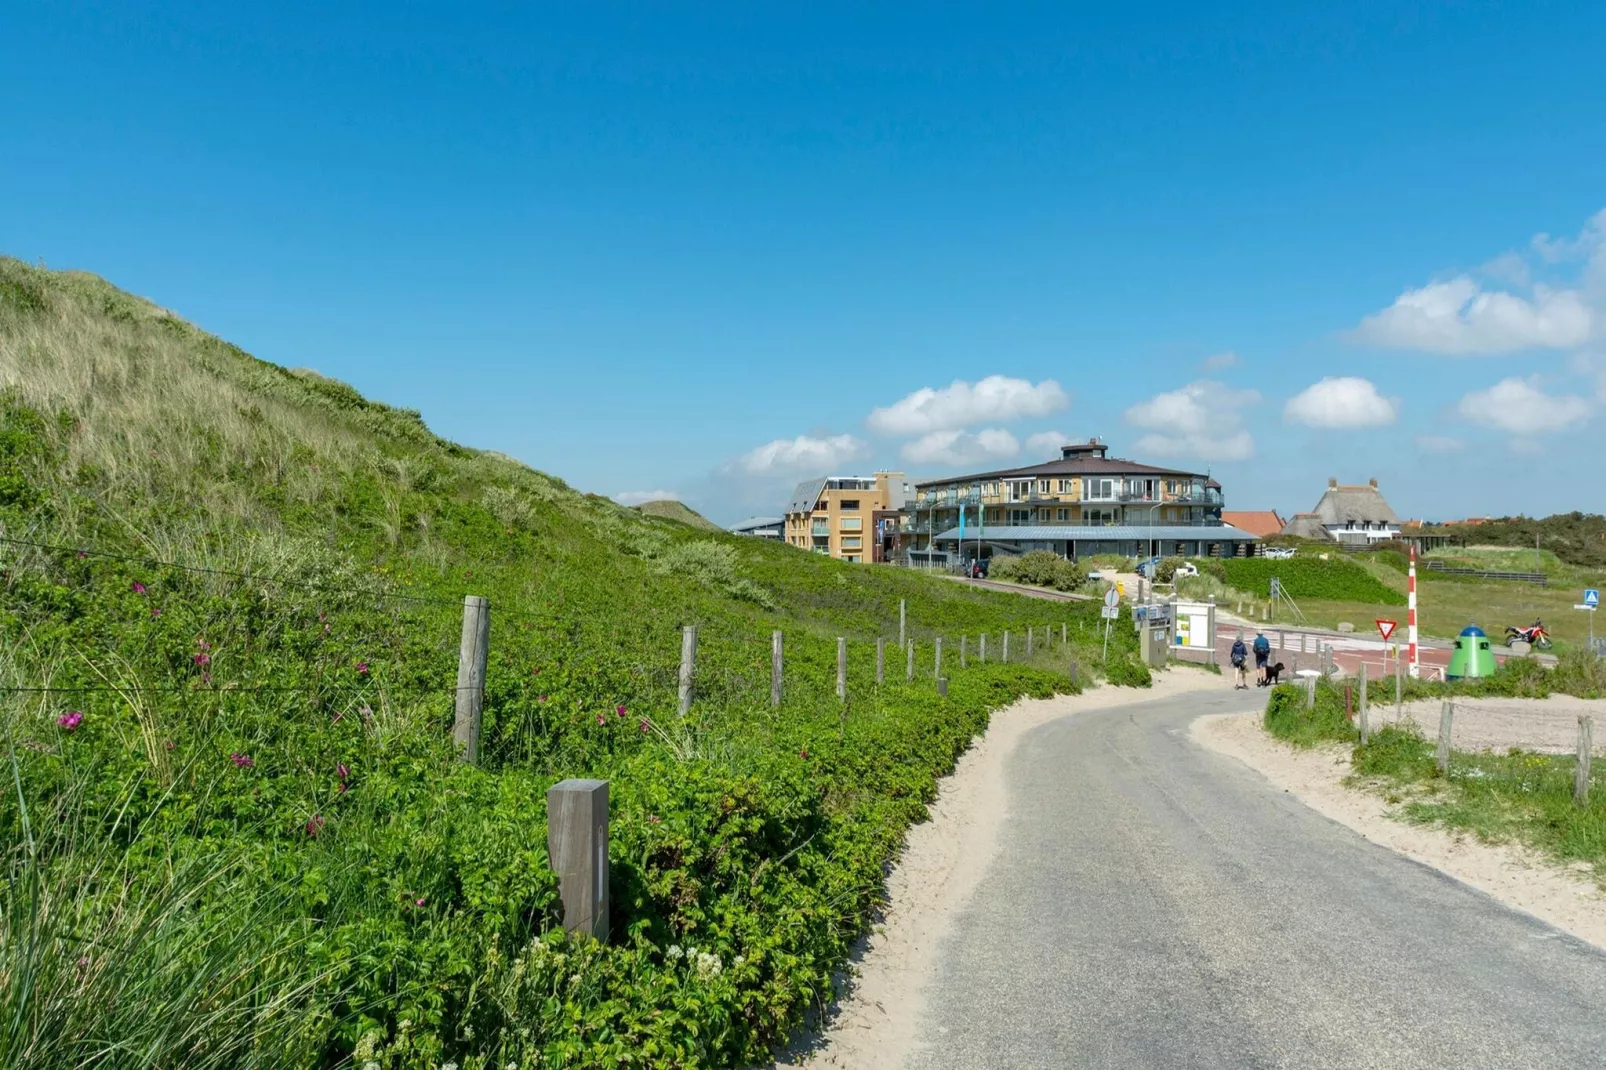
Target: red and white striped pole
{"points": [[1410, 615]]}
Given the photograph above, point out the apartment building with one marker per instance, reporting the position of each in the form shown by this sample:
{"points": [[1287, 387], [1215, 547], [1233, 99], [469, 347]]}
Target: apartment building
{"points": [[1084, 503], [844, 516]]}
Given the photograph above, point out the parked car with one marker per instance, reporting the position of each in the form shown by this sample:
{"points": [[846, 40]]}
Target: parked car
{"points": [[1279, 553], [1146, 567], [1187, 568]]}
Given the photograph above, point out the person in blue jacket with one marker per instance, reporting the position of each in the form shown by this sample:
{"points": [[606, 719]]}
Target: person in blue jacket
{"points": [[1240, 664], [1262, 655]]}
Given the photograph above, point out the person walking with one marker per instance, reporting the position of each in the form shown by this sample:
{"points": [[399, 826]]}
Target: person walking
{"points": [[1240, 664], [1262, 655]]}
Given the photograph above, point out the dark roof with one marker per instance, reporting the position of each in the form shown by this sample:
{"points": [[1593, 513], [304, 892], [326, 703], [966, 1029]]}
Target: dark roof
{"points": [[1074, 466], [806, 496]]}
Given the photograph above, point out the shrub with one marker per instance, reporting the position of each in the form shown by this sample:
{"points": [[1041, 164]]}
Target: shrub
{"points": [[1166, 570], [1336, 579], [1041, 568], [1128, 672]]}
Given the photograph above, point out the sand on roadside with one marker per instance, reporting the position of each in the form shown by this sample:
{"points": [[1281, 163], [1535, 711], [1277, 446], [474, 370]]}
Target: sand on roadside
{"points": [[1565, 897], [1535, 724], [943, 862]]}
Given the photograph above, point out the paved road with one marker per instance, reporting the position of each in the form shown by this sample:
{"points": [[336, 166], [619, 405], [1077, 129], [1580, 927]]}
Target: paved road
{"points": [[1157, 905]]}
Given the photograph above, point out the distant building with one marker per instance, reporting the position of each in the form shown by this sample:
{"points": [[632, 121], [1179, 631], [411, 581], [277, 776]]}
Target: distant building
{"points": [[1085, 502], [837, 515], [765, 527], [1354, 515], [1260, 523]]}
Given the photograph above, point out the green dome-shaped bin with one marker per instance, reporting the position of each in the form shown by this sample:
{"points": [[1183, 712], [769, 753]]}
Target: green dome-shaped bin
{"points": [[1473, 656]]}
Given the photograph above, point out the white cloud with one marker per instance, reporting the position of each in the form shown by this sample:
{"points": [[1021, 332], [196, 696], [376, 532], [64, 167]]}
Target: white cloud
{"points": [[1459, 316], [1341, 402], [1046, 443], [1200, 420], [962, 447], [1219, 361], [1594, 366], [804, 453], [1520, 407], [637, 497], [1439, 444], [995, 399]]}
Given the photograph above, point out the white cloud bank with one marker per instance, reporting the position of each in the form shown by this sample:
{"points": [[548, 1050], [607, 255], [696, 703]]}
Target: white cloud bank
{"points": [[1521, 408], [1046, 444], [1337, 403], [962, 447], [1200, 420], [805, 453], [995, 399], [637, 497]]}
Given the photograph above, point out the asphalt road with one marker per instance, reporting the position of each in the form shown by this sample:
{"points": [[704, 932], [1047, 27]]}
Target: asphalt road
{"points": [[1157, 905]]}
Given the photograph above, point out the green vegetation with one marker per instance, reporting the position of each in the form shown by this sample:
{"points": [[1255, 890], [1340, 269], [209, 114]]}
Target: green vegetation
{"points": [[1518, 796], [669, 509], [1577, 538], [1040, 568], [1309, 577], [235, 833]]}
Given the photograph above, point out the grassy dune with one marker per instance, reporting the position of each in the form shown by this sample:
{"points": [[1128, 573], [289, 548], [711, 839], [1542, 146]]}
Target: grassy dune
{"points": [[235, 833]]}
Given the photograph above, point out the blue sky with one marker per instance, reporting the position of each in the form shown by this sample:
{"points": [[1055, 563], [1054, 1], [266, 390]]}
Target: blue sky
{"points": [[696, 248]]}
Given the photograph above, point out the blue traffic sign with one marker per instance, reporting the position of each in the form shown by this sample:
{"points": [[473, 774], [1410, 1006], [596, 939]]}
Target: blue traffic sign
{"points": [[1591, 597]]}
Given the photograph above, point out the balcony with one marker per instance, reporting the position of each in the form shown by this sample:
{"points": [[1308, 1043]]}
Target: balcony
{"points": [[821, 529]]}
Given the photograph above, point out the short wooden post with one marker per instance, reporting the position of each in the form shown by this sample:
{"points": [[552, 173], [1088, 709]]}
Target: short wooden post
{"points": [[1073, 673], [1062, 634], [1031, 633], [1586, 744], [1004, 657], [577, 845], [1363, 713], [688, 660], [903, 623], [981, 653], [1446, 715], [909, 670], [942, 686], [964, 650], [936, 658], [842, 668], [776, 663], [471, 655]]}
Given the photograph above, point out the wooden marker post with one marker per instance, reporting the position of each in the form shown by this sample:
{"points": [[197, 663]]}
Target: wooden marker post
{"points": [[981, 654], [471, 655], [776, 664], [936, 660], [1005, 656], [1031, 633], [842, 668], [1446, 715], [688, 662], [903, 623], [964, 644], [577, 845], [1586, 744], [909, 670], [880, 662], [1062, 634]]}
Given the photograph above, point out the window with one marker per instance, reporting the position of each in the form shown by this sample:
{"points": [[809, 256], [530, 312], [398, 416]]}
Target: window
{"points": [[1098, 517], [1064, 486], [852, 542], [849, 505], [851, 523], [1042, 486], [1020, 516], [1098, 490], [852, 559], [1062, 515]]}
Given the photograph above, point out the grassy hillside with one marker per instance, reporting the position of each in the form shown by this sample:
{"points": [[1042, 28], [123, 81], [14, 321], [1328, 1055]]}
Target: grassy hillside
{"points": [[236, 833], [669, 509], [1576, 538]]}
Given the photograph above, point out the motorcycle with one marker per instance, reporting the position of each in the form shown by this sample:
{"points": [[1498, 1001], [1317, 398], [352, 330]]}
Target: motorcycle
{"points": [[1535, 636]]}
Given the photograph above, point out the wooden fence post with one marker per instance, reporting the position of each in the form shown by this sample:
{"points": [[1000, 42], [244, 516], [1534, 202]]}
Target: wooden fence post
{"points": [[1062, 634], [776, 664], [577, 845], [981, 653], [842, 668], [936, 660], [880, 661], [1364, 713], [1073, 673], [471, 655], [1005, 656], [964, 652], [1586, 744], [1031, 633], [1446, 715], [903, 622], [909, 670], [688, 660]]}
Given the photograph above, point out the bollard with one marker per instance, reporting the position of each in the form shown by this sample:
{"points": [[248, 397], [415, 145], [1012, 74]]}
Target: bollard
{"points": [[471, 655], [577, 845], [775, 668]]}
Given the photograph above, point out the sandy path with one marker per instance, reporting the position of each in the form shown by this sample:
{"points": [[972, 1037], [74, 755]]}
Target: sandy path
{"points": [[1517, 877], [942, 863], [1548, 724]]}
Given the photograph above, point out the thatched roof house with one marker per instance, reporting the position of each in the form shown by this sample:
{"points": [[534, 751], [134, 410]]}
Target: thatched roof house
{"points": [[1354, 514]]}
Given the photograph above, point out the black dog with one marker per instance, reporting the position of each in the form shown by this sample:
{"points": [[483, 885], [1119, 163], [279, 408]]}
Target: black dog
{"points": [[1272, 673]]}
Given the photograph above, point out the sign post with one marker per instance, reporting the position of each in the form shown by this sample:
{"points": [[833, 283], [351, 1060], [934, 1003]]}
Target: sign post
{"points": [[1112, 609], [1591, 603], [1385, 628]]}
